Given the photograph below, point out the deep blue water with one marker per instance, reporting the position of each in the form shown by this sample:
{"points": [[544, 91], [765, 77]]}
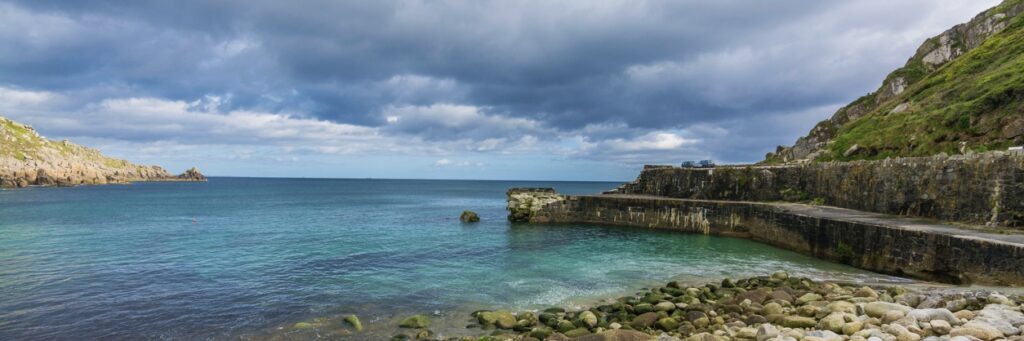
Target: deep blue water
{"points": [[237, 257]]}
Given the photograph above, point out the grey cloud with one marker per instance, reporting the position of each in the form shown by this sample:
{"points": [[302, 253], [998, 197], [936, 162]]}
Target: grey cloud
{"points": [[549, 70]]}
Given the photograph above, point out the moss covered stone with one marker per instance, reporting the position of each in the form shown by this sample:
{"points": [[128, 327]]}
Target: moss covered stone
{"points": [[415, 322], [668, 324], [353, 321], [577, 332]]}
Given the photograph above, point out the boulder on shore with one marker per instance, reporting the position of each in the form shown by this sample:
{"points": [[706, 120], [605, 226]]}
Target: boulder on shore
{"points": [[416, 322]]}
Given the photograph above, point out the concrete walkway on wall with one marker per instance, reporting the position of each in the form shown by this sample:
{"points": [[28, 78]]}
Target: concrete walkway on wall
{"points": [[883, 220]]}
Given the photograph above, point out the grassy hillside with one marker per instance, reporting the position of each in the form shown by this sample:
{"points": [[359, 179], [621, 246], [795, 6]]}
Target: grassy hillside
{"points": [[23, 143], [962, 90], [977, 99]]}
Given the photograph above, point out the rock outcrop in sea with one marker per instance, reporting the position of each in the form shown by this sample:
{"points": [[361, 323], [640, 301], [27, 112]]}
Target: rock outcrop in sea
{"points": [[28, 159], [469, 217], [192, 174]]}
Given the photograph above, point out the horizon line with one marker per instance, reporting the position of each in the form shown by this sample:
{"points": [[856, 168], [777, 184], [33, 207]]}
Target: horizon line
{"points": [[409, 179]]}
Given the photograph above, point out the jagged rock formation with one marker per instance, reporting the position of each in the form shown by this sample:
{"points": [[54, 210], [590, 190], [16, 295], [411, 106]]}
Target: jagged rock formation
{"points": [[523, 203], [962, 90], [192, 174], [28, 159]]}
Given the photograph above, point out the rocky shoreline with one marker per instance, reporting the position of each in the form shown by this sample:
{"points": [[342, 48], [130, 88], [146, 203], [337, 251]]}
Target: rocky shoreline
{"points": [[71, 175], [776, 307]]}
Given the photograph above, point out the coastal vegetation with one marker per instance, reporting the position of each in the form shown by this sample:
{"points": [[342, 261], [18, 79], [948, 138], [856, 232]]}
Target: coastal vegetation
{"points": [[29, 159], [976, 99], [23, 143], [962, 91]]}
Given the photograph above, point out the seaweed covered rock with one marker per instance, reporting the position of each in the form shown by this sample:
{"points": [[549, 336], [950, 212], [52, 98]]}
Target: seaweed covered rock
{"points": [[415, 322], [353, 321], [469, 217]]}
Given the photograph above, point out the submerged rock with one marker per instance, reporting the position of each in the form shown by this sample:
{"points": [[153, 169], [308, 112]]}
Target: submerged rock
{"points": [[415, 322], [353, 321], [304, 325], [501, 319]]}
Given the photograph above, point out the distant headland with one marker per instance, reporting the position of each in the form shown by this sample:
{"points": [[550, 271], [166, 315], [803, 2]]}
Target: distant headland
{"points": [[28, 159]]}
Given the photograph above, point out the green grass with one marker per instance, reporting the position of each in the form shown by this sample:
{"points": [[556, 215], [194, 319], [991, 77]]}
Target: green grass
{"points": [[19, 142], [1005, 5], [967, 100]]}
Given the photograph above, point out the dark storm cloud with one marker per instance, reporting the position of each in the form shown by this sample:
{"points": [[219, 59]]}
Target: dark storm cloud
{"points": [[537, 68]]}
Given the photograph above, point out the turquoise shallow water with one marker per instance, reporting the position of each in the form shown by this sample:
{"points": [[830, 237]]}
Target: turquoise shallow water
{"points": [[237, 257]]}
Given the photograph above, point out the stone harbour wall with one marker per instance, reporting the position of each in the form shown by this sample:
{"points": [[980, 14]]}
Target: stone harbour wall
{"points": [[980, 189], [948, 258]]}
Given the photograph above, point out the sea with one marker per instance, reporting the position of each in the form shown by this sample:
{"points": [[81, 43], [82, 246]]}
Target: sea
{"points": [[250, 258]]}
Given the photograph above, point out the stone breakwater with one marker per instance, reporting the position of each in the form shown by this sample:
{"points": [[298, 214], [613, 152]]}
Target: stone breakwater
{"points": [[900, 246], [981, 189], [776, 307]]}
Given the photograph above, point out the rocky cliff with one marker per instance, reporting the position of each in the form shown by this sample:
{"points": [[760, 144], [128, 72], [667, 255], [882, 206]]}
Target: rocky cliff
{"points": [[962, 90], [28, 159]]}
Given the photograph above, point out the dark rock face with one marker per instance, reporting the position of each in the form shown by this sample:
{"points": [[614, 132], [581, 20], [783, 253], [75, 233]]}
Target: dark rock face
{"points": [[192, 174], [983, 189], [871, 245]]}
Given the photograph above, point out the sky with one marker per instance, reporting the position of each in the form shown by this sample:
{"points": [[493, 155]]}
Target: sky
{"points": [[448, 89]]}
